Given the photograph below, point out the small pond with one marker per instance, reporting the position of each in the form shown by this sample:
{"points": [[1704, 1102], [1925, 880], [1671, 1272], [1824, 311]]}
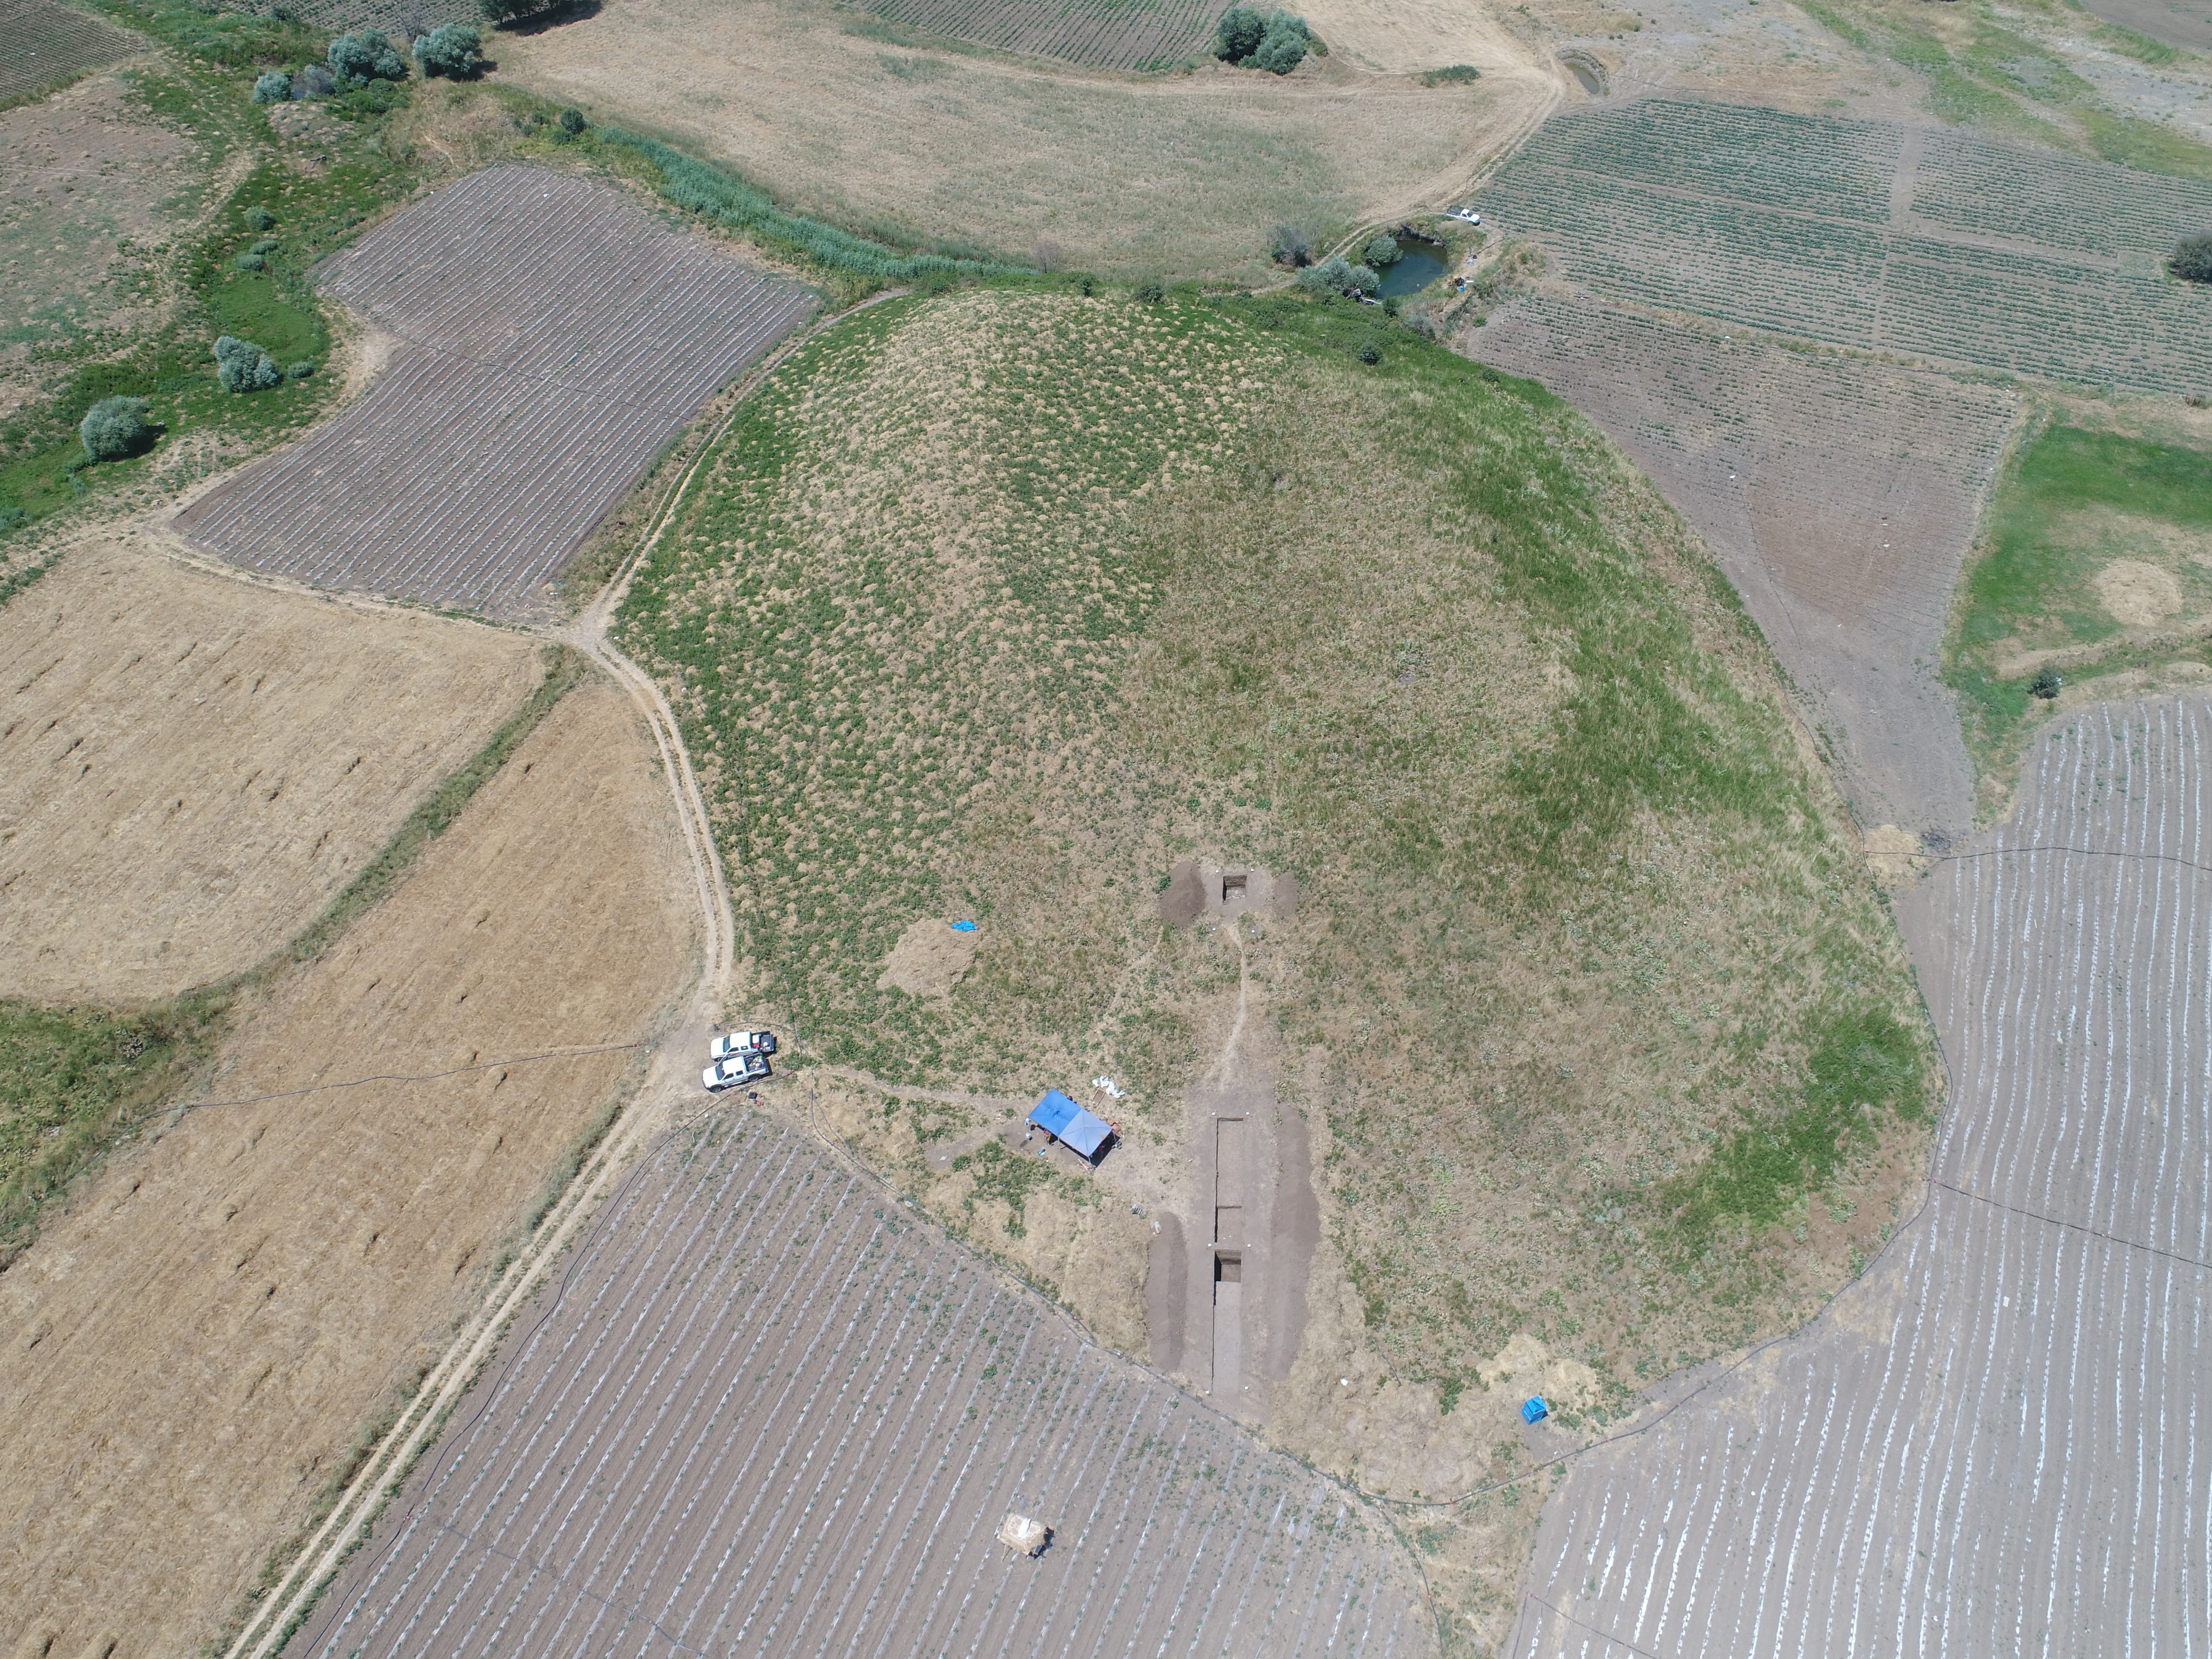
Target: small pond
{"points": [[1418, 265], [1587, 77]]}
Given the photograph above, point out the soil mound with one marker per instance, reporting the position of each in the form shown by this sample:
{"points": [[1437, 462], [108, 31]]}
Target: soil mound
{"points": [[929, 959]]}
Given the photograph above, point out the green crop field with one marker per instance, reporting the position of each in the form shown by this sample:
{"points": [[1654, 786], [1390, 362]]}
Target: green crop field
{"points": [[2022, 261], [992, 605], [2079, 510]]}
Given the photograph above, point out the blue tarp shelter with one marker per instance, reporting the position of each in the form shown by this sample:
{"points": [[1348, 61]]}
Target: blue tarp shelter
{"points": [[1062, 1119]]}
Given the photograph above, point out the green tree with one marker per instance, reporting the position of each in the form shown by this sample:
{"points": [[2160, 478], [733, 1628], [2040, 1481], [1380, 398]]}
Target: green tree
{"points": [[1382, 251], [274, 86], [451, 49], [242, 365], [114, 428], [356, 59], [2191, 258]]}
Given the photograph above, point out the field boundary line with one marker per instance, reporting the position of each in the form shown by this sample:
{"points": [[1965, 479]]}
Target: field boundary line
{"points": [[2071, 1226], [1582, 1625], [399, 1077]]}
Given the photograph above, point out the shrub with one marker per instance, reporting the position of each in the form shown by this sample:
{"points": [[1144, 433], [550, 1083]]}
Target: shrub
{"points": [[1370, 353], [1382, 251], [1339, 275], [572, 121], [450, 50], [242, 365], [252, 261], [502, 11], [1452, 75], [266, 245], [2047, 684], [298, 371], [357, 59], [1289, 246], [1045, 256], [313, 82], [274, 86], [1149, 294], [114, 428], [1283, 46], [2191, 258], [260, 218]]}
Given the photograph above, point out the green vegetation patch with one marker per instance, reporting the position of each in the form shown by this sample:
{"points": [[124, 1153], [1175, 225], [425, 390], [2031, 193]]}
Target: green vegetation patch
{"points": [[993, 604], [2095, 558]]}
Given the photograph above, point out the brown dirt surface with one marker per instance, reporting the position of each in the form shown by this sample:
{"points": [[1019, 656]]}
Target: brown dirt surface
{"points": [[2136, 594], [2177, 22], [1180, 175], [81, 172], [199, 1337], [1839, 496], [929, 959], [192, 767]]}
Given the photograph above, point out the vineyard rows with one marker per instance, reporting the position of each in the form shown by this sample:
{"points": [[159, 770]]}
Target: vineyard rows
{"points": [[1995, 1443], [2040, 198], [1674, 205], [1838, 496], [395, 17], [41, 42], [1805, 164], [770, 1413], [1098, 34], [555, 337]]}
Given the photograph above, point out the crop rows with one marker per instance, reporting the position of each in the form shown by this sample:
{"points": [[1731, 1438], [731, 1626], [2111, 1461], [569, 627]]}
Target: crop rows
{"points": [[769, 1414], [1808, 164], [2052, 201], [41, 42], [1614, 192], [394, 17], [554, 338], [1839, 496], [1099, 34], [1995, 1443]]}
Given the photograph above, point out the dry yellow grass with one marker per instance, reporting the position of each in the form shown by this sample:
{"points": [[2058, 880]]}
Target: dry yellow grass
{"points": [[191, 768], [191, 1347], [1180, 175]]}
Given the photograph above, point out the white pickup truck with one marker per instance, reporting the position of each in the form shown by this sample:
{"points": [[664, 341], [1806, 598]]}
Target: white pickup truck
{"points": [[741, 1042], [738, 1068]]}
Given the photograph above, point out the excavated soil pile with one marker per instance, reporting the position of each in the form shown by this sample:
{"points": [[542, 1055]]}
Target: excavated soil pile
{"points": [[195, 1344], [191, 769]]}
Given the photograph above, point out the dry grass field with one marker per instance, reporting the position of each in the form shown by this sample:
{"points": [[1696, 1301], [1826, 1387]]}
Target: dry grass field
{"points": [[997, 605], [1181, 175], [191, 768], [1992, 1444], [198, 1338]]}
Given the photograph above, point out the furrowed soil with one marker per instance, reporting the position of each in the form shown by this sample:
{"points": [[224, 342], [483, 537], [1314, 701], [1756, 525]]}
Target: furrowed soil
{"points": [[1178, 176], [1000, 605], [193, 768], [195, 1343]]}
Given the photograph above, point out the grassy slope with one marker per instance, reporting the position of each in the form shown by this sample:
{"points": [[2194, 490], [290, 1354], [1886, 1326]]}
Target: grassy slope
{"points": [[2071, 500], [995, 603]]}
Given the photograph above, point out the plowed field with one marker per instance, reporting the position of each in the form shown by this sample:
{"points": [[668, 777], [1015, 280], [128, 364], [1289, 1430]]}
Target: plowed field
{"points": [[41, 42], [554, 335], [193, 1344], [1103, 33], [1872, 234], [1840, 497], [769, 1413], [1995, 1443], [191, 769]]}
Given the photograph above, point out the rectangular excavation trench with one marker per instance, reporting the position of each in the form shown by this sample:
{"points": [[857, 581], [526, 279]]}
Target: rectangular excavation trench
{"points": [[1230, 1156]]}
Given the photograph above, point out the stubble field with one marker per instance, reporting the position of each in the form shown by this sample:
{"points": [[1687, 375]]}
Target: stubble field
{"points": [[1992, 1443], [191, 769], [212, 1319], [544, 318], [1175, 176]]}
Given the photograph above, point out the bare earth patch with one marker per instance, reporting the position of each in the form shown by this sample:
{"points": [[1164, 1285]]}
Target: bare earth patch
{"points": [[2136, 594], [191, 768], [197, 1339], [929, 959]]}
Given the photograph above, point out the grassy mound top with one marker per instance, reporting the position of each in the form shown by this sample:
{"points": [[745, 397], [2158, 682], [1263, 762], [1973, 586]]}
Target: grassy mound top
{"points": [[993, 604]]}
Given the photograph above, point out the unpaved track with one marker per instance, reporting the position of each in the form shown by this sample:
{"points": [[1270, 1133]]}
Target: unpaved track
{"points": [[769, 1413], [1997, 1442]]}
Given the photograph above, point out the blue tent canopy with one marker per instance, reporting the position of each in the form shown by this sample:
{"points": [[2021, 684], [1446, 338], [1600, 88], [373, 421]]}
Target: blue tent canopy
{"points": [[1061, 1118]]}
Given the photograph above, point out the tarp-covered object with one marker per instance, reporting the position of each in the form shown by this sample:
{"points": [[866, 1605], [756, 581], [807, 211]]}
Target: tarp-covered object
{"points": [[1018, 1531], [1061, 1118]]}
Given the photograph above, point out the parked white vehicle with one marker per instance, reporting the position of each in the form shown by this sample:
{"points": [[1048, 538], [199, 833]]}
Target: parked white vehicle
{"points": [[729, 1074], [741, 1042], [1466, 215]]}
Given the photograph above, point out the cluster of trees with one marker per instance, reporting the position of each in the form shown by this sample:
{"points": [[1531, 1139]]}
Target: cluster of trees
{"points": [[1339, 275], [1276, 41], [242, 365], [367, 58]]}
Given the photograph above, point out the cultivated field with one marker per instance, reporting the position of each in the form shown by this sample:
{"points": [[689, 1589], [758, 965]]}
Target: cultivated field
{"points": [[849, 118], [1839, 496], [193, 768], [1099, 34], [42, 42], [555, 337], [768, 1411], [1992, 1443], [195, 1342], [1874, 235]]}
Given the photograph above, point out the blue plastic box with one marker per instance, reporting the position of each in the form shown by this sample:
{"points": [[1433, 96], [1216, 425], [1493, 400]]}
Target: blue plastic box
{"points": [[1533, 1410]]}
